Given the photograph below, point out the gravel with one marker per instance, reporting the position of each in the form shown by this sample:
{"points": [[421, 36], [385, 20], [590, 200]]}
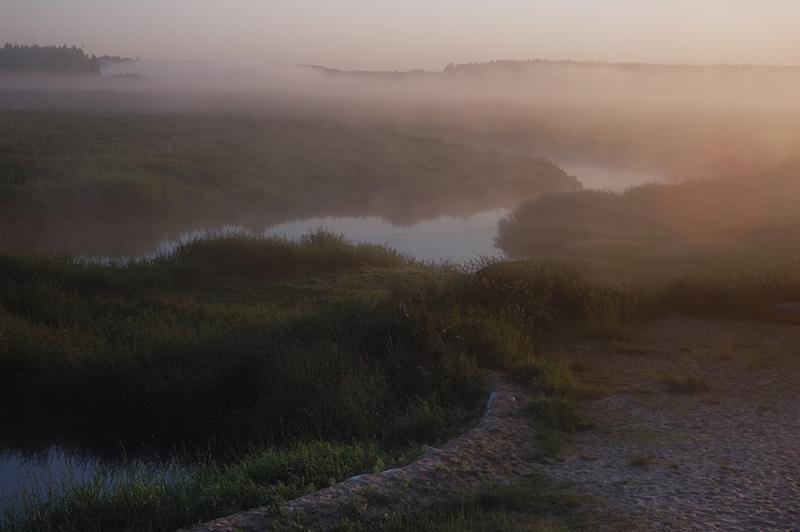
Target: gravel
{"points": [[725, 459]]}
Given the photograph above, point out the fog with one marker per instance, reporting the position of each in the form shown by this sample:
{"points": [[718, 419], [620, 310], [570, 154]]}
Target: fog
{"points": [[674, 122], [629, 86]]}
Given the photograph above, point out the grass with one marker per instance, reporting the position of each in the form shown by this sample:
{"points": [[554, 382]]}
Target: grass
{"points": [[142, 500], [639, 460], [757, 359], [186, 363], [279, 366], [716, 248], [528, 505], [686, 384], [282, 367], [725, 349], [114, 183], [716, 212]]}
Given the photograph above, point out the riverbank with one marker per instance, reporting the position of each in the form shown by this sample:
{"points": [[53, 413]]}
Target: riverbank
{"points": [[694, 428]]}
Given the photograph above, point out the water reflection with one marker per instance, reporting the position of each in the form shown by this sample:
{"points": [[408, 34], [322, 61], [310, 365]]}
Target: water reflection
{"points": [[603, 178], [59, 470], [447, 238], [32, 472]]}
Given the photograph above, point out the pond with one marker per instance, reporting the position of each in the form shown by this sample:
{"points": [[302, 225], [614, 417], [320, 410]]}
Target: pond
{"points": [[32, 472], [457, 239]]}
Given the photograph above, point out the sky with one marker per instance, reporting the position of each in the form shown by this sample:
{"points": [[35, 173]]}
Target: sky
{"points": [[409, 34]]}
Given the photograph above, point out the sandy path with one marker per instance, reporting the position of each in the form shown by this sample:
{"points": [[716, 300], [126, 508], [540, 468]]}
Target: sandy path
{"points": [[724, 459]]}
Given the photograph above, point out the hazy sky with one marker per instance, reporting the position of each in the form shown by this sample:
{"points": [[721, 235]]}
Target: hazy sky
{"points": [[406, 34]]}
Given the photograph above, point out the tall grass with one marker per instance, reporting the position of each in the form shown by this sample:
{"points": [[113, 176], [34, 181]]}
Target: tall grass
{"points": [[143, 348], [560, 292], [710, 213]]}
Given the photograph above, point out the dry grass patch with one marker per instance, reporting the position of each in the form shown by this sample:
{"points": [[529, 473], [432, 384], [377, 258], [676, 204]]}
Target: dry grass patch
{"points": [[724, 350], [757, 358], [639, 460], [686, 384]]}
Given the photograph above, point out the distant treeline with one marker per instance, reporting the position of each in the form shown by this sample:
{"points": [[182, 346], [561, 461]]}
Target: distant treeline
{"points": [[51, 59], [507, 65], [370, 73]]}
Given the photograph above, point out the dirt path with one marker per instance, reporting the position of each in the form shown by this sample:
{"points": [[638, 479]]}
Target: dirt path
{"points": [[701, 430]]}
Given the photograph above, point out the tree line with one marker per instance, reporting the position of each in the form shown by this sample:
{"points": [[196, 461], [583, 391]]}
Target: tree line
{"points": [[51, 59]]}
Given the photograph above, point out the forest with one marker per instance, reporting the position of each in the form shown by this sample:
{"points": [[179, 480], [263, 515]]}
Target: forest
{"points": [[47, 58], [61, 59]]}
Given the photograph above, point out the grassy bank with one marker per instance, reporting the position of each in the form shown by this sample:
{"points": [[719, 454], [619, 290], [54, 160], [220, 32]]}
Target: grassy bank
{"points": [[726, 247], [113, 183], [530, 504], [254, 352]]}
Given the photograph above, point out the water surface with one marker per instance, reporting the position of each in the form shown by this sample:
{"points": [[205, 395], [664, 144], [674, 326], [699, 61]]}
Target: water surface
{"points": [[604, 178], [443, 239]]}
